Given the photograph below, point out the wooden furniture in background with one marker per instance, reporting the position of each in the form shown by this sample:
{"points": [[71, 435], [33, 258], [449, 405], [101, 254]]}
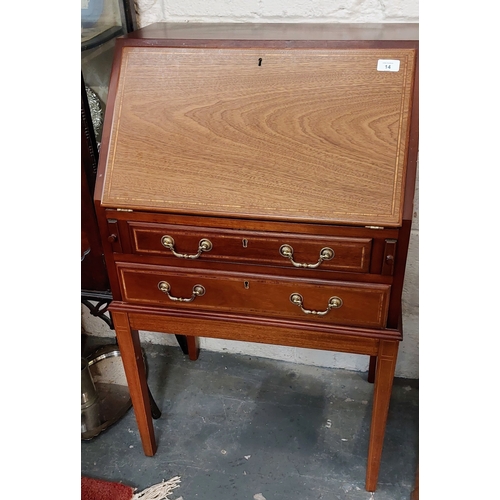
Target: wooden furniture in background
{"points": [[98, 37], [101, 24], [256, 183]]}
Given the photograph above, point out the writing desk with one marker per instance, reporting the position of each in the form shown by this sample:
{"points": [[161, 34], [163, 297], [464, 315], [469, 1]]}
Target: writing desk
{"points": [[256, 183]]}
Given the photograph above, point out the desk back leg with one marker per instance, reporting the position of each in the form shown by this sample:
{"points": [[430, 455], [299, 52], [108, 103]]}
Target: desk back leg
{"points": [[193, 346], [371, 369], [386, 364], [135, 371]]}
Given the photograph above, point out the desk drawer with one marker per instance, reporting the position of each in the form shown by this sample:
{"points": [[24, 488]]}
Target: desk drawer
{"points": [[340, 303], [282, 249]]}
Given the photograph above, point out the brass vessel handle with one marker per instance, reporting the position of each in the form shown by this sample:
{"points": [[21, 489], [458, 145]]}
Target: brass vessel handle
{"points": [[203, 246], [333, 303], [198, 291], [325, 253]]}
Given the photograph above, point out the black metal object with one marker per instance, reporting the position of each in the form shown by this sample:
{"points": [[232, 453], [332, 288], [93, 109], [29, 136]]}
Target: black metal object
{"points": [[102, 38], [155, 411], [100, 309]]}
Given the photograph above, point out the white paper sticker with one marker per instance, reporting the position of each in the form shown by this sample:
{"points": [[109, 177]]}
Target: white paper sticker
{"points": [[388, 65]]}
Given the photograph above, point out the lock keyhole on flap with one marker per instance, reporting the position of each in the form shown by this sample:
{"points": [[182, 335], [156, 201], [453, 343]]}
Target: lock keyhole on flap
{"points": [[260, 61]]}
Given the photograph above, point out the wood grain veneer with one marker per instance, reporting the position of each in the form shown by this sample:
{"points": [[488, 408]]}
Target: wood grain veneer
{"points": [[349, 254], [235, 291], [315, 135]]}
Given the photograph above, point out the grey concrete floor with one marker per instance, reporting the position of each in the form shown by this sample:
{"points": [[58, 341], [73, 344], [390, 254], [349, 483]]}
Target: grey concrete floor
{"points": [[240, 427]]}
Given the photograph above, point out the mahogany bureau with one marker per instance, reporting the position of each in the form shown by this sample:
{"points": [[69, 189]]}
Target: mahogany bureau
{"points": [[256, 183]]}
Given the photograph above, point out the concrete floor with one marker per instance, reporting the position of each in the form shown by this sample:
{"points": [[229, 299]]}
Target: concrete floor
{"points": [[240, 427]]}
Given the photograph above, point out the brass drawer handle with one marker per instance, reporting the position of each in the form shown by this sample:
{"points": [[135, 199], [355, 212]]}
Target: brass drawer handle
{"points": [[325, 253], [198, 291], [203, 246], [333, 303]]}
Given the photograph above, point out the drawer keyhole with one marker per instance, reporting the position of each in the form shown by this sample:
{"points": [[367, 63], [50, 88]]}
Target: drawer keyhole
{"points": [[245, 242], [246, 284]]}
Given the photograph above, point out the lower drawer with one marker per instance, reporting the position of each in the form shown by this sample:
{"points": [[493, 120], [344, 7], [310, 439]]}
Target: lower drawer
{"points": [[340, 303]]}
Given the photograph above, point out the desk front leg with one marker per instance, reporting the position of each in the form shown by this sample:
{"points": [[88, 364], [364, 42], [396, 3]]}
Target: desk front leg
{"points": [[384, 376], [135, 371]]}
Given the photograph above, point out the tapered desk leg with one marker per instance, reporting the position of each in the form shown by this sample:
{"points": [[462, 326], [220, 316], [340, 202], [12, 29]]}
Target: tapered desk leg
{"points": [[135, 371], [193, 347], [386, 364], [414, 493], [371, 369]]}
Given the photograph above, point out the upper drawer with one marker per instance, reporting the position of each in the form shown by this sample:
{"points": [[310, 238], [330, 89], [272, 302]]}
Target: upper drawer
{"points": [[335, 302], [291, 250], [316, 135]]}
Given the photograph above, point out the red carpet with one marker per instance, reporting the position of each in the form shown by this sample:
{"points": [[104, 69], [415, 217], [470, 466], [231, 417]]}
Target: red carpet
{"points": [[96, 489]]}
